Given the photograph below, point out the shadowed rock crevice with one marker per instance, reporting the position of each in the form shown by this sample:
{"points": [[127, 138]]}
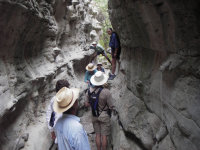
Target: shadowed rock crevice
{"points": [[160, 63]]}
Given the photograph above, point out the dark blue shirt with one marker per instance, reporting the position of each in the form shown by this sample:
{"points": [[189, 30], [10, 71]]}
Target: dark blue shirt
{"points": [[114, 43]]}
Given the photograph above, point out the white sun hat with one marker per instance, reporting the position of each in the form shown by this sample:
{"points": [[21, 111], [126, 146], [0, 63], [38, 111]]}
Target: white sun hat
{"points": [[99, 63], [90, 67], [65, 99], [99, 78], [94, 43]]}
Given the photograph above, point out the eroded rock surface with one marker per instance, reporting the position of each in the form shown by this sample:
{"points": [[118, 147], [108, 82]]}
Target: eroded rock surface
{"points": [[41, 41], [159, 103]]}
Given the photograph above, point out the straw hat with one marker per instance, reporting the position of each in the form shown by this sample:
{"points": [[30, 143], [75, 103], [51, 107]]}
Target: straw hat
{"points": [[90, 67], [99, 78], [65, 99]]}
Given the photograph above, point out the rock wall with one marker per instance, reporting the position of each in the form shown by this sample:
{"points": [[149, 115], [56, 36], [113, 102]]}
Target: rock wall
{"points": [[41, 41], [158, 104]]}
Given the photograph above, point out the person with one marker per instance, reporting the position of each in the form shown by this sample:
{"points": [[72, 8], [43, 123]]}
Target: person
{"points": [[100, 118], [69, 131], [90, 70], [99, 67], [51, 116], [115, 51], [98, 50]]}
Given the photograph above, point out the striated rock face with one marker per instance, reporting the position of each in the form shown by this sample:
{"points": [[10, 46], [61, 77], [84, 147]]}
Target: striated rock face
{"points": [[159, 103], [41, 41]]}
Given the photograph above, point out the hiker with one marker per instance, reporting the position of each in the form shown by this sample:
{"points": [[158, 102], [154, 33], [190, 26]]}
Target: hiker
{"points": [[115, 51], [100, 100], [98, 50], [99, 67], [69, 131], [51, 116], [90, 70]]}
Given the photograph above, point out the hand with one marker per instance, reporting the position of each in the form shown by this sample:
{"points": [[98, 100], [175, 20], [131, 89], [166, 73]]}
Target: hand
{"points": [[53, 136], [87, 82], [115, 54], [86, 104]]}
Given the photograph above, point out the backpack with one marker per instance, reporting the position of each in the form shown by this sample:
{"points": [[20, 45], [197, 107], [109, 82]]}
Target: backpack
{"points": [[94, 101]]}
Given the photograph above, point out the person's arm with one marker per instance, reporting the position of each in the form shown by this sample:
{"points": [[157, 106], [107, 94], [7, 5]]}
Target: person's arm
{"points": [[48, 117], [108, 59], [48, 114], [110, 100], [86, 103], [86, 77]]}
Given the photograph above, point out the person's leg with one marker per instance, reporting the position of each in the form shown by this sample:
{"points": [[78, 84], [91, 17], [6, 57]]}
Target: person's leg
{"points": [[113, 65], [105, 131], [97, 130], [104, 142], [98, 141]]}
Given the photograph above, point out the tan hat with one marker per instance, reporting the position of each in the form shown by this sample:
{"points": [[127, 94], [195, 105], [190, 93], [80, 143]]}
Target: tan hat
{"points": [[94, 43], [65, 99], [99, 78], [90, 67]]}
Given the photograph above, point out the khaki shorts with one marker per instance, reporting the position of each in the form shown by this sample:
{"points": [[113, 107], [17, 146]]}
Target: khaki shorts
{"points": [[101, 124]]}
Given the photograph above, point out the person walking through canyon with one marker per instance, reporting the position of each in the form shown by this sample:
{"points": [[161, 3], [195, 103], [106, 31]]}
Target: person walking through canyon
{"points": [[100, 100], [90, 70], [69, 131], [98, 50], [100, 67], [52, 116], [115, 51]]}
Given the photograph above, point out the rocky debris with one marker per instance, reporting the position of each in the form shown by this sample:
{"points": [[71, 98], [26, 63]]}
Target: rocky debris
{"points": [[21, 141], [158, 103]]}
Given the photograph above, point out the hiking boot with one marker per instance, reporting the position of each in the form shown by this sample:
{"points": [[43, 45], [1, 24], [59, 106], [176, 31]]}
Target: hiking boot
{"points": [[111, 77]]}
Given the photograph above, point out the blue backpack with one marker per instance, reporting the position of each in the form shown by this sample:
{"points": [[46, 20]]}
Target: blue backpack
{"points": [[94, 101]]}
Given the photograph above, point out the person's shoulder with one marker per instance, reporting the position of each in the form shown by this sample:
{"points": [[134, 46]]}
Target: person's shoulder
{"points": [[76, 126], [114, 34], [106, 91]]}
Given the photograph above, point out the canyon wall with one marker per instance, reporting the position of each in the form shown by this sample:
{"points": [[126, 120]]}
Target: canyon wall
{"points": [[41, 41], [158, 104]]}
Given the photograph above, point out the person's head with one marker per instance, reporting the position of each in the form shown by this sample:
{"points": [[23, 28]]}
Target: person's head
{"points": [[99, 78], [66, 101], [99, 65], [109, 31], [94, 44], [90, 68], [61, 83]]}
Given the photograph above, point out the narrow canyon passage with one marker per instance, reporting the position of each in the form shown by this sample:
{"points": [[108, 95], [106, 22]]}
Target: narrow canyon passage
{"points": [[156, 92]]}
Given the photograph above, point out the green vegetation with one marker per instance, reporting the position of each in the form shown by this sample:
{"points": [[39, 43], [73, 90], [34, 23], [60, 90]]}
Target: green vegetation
{"points": [[102, 6], [104, 20]]}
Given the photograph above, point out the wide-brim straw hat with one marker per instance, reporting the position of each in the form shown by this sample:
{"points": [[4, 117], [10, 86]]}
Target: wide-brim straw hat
{"points": [[65, 99], [90, 67], [99, 78]]}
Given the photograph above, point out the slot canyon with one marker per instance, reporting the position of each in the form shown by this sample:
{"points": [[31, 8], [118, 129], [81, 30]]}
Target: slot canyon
{"points": [[156, 92]]}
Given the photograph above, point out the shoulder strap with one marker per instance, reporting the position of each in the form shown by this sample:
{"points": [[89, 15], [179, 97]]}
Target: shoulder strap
{"points": [[97, 99], [89, 93]]}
